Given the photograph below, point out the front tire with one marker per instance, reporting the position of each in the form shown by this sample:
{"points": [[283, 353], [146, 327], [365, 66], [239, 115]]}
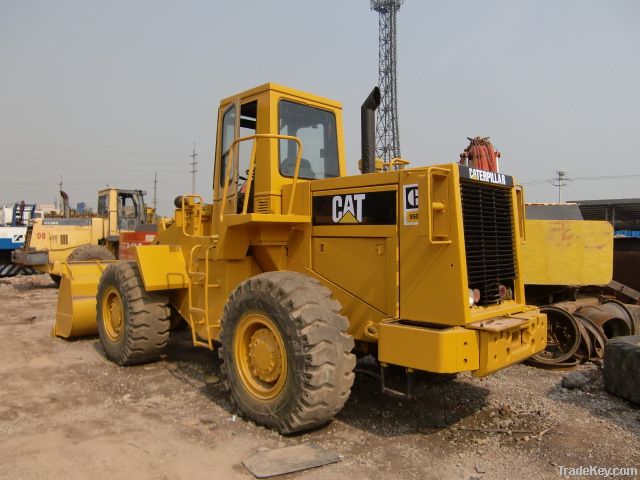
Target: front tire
{"points": [[286, 353], [133, 324], [622, 367]]}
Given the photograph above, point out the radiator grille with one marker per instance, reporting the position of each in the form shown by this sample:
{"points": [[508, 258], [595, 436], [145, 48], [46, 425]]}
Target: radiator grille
{"points": [[488, 238]]}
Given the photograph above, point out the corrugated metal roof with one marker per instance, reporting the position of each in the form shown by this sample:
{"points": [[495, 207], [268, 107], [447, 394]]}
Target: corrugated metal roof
{"points": [[624, 214]]}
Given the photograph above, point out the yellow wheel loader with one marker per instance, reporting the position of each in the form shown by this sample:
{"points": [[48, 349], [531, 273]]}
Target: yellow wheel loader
{"points": [[293, 268], [52, 241]]}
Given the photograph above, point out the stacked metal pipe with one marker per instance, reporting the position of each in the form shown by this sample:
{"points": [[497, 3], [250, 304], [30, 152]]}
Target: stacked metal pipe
{"points": [[578, 330]]}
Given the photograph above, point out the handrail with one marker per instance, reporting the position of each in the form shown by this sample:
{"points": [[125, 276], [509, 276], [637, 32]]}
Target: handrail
{"points": [[192, 323], [400, 162], [252, 164], [206, 296], [433, 207], [196, 206]]}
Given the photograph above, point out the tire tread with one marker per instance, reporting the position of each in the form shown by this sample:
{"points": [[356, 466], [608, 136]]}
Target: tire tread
{"points": [[147, 315], [324, 348], [622, 367]]}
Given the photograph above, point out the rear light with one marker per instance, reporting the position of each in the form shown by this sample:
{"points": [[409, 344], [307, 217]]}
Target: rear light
{"points": [[505, 292]]}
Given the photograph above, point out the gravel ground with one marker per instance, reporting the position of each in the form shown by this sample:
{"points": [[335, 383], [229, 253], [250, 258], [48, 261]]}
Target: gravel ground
{"points": [[67, 412]]}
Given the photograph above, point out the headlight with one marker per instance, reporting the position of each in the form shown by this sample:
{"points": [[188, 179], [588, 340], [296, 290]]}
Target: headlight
{"points": [[474, 296]]}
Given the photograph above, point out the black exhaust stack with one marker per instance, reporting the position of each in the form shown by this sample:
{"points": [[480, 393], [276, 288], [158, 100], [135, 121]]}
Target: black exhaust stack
{"points": [[66, 212], [368, 130]]}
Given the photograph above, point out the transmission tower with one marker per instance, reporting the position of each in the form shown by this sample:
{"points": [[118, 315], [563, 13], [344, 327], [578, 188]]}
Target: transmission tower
{"points": [[387, 136]]}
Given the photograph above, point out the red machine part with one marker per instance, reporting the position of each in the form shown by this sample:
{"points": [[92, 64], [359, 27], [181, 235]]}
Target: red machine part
{"points": [[133, 239], [480, 154]]}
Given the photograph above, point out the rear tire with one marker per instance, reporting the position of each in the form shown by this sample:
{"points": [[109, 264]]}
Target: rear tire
{"points": [[622, 367], [286, 352], [133, 324], [85, 253], [90, 252]]}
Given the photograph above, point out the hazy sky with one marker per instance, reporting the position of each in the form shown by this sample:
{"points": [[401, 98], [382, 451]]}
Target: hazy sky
{"points": [[107, 92]]}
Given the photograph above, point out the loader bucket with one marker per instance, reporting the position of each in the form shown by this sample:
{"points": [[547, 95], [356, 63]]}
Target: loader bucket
{"points": [[76, 311]]}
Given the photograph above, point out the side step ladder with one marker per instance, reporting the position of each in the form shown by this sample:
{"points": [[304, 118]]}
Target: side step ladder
{"points": [[201, 312]]}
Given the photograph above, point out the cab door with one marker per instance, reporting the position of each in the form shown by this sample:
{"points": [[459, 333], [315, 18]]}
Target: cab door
{"points": [[226, 189], [239, 120]]}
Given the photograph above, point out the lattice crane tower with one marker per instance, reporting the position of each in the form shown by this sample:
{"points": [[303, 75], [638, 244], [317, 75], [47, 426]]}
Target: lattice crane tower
{"points": [[387, 135]]}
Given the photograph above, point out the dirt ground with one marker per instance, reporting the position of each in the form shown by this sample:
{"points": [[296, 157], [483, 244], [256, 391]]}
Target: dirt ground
{"points": [[67, 412]]}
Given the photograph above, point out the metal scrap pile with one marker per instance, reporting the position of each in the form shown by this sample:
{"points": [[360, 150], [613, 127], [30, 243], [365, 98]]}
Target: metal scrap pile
{"points": [[578, 330]]}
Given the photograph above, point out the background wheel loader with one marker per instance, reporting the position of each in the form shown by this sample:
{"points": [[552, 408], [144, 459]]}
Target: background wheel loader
{"points": [[52, 241], [294, 268]]}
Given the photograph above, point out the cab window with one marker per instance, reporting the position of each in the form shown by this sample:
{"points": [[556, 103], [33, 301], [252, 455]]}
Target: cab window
{"points": [[127, 211], [248, 121], [248, 125], [316, 129], [228, 135], [103, 206]]}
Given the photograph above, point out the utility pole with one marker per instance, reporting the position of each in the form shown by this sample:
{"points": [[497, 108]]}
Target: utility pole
{"points": [[193, 169], [155, 193], [561, 179]]}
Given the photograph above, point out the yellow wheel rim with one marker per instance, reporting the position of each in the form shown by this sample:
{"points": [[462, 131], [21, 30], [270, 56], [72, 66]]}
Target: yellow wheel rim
{"points": [[113, 314], [261, 358]]}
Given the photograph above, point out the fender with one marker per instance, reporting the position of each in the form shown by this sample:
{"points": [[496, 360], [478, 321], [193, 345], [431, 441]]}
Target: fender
{"points": [[162, 267]]}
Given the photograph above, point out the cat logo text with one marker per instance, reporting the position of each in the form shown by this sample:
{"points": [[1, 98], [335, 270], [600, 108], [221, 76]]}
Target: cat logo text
{"points": [[347, 208]]}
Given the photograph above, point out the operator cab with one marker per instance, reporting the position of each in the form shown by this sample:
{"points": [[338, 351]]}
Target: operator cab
{"points": [[265, 119], [22, 214], [124, 208]]}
